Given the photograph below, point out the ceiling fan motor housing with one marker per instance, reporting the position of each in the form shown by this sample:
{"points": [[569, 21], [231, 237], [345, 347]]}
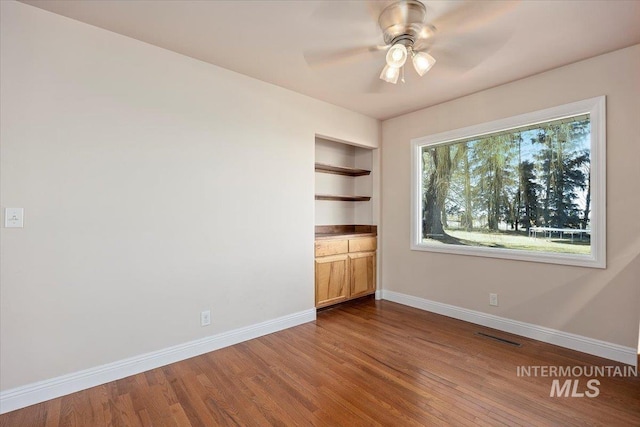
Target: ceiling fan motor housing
{"points": [[404, 22]]}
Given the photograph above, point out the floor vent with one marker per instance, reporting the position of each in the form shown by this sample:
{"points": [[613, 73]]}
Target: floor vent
{"points": [[482, 334]]}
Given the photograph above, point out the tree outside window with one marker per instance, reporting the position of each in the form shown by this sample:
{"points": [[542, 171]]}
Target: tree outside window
{"points": [[515, 192]]}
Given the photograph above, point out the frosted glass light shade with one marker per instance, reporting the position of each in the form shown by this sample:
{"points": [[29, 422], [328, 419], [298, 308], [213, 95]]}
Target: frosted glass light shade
{"points": [[390, 74], [423, 62], [397, 55]]}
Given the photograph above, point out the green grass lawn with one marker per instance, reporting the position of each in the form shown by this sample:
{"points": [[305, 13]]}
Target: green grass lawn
{"points": [[513, 240]]}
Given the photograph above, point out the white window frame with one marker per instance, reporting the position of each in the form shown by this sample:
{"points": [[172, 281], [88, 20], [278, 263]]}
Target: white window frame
{"points": [[595, 107]]}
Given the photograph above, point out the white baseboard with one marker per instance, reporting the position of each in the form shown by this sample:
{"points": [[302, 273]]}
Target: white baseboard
{"points": [[592, 346], [41, 391]]}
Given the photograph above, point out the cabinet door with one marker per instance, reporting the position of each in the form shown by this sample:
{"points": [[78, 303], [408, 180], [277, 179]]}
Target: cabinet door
{"points": [[363, 273], [331, 279]]}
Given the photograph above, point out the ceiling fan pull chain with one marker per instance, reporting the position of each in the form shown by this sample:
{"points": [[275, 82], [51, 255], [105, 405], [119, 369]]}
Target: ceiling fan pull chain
{"points": [[402, 79]]}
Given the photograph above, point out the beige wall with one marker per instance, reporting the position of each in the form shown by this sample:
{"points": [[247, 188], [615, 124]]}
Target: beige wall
{"points": [[600, 304], [154, 186]]}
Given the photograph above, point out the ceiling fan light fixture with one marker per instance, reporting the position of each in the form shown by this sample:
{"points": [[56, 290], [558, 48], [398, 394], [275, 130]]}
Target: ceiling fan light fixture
{"points": [[397, 55], [390, 74], [422, 62]]}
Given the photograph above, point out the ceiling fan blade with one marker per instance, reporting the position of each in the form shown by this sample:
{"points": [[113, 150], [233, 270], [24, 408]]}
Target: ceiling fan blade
{"points": [[325, 58], [349, 11], [457, 42], [471, 15], [463, 52]]}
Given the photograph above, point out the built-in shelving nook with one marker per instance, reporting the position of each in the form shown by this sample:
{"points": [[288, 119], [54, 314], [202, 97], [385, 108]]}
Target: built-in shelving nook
{"points": [[346, 239], [343, 183]]}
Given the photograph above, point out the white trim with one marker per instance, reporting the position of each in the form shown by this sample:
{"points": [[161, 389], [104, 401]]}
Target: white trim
{"points": [[596, 108], [587, 345], [41, 391]]}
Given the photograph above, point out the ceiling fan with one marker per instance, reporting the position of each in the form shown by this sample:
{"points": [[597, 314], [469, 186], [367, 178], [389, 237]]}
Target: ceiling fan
{"points": [[409, 35], [405, 32]]}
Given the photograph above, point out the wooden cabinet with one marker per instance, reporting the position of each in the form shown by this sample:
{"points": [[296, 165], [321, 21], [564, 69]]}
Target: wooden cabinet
{"points": [[363, 244], [331, 247], [362, 277], [332, 279], [345, 269]]}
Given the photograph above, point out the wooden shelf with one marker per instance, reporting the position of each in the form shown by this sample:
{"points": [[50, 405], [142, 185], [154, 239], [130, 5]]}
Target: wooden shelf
{"points": [[343, 198], [339, 170]]}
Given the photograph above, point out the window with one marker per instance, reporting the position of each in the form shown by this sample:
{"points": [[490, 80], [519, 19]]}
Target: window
{"points": [[529, 187]]}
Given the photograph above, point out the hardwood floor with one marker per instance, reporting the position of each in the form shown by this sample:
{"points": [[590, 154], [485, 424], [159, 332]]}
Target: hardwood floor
{"points": [[361, 364]]}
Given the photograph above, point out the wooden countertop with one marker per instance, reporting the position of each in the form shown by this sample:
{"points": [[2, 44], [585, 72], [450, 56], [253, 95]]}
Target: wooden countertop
{"points": [[345, 231]]}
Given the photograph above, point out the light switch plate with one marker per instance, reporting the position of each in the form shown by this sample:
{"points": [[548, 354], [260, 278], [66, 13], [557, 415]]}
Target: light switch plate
{"points": [[14, 217]]}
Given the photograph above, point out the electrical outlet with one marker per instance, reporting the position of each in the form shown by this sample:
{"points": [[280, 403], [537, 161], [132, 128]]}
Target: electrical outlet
{"points": [[493, 299], [205, 318]]}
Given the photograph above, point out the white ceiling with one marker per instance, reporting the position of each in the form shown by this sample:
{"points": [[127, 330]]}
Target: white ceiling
{"points": [[479, 44]]}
